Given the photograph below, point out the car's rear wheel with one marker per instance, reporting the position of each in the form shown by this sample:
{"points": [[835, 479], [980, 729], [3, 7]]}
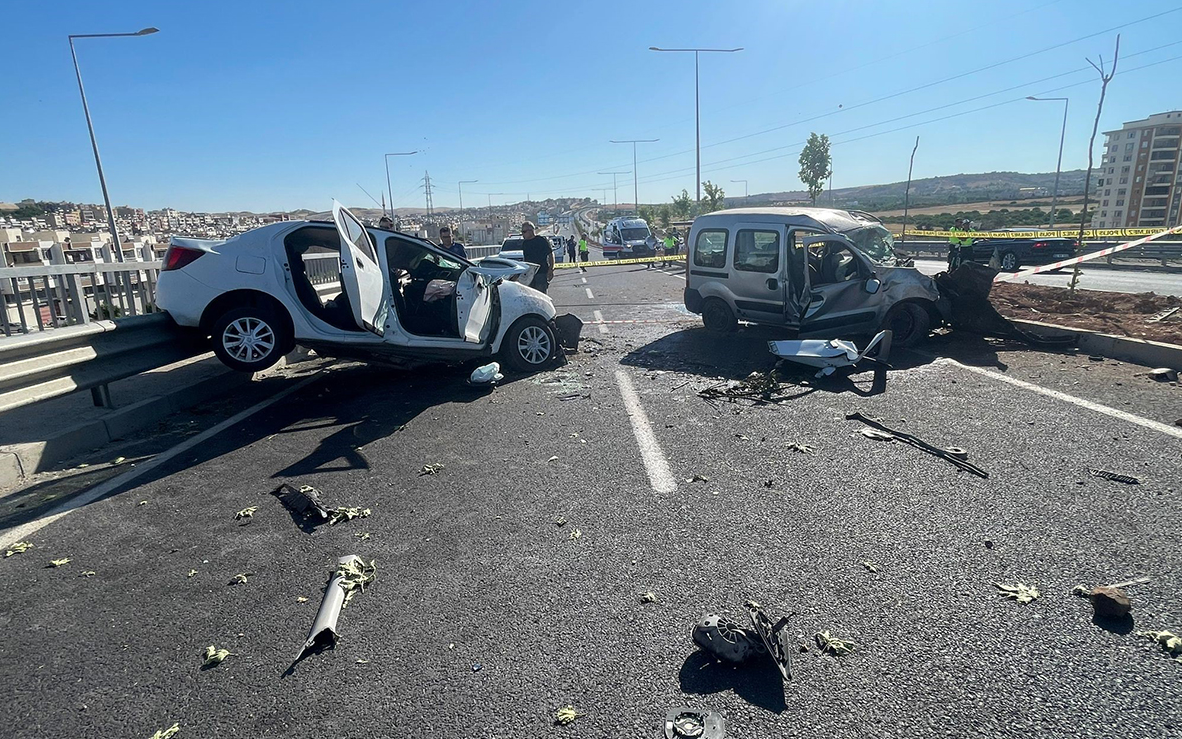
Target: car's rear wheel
{"points": [[1009, 261], [249, 339], [529, 345], [909, 324], [717, 316]]}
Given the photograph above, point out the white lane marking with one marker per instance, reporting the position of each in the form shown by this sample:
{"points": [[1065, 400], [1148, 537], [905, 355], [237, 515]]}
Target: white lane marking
{"points": [[11, 536], [590, 295], [599, 317], [655, 465], [584, 279], [1057, 395]]}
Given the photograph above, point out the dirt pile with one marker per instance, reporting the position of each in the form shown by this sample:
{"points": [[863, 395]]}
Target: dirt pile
{"points": [[1123, 314]]}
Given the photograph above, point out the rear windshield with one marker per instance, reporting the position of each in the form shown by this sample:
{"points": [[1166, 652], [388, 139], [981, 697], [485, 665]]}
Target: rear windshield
{"points": [[875, 242], [634, 234], [512, 245]]}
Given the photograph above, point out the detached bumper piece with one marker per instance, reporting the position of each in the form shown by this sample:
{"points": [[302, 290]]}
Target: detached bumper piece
{"points": [[324, 627], [569, 327]]}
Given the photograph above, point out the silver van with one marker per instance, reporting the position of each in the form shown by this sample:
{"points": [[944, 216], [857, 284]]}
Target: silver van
{"points": [[823, 273]]}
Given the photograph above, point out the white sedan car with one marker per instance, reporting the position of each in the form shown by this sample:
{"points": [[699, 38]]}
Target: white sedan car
{"points": [[347, 290]]}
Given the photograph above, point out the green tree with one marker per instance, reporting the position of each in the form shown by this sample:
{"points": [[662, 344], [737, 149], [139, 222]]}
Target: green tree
{"points": [[647, 213], [665, 215], [683, 205], [715, 198], [815, 164]]}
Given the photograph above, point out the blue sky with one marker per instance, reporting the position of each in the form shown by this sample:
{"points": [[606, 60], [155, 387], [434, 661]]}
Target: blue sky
{"points": [[281, 105]]}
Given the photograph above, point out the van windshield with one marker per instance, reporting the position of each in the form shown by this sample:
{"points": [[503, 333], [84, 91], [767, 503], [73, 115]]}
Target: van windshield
{"points": [[634, 234], [875, 242]]}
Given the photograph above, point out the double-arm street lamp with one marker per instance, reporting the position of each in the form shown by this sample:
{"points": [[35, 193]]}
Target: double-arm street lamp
{"points": [[697, 107], [635, 188], [615, 197], [389, 190], [744, 191], [1059, 166], [93, 143]]}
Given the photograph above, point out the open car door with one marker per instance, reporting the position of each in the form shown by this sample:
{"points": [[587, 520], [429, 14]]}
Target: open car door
{"points": [[364, 284], [796, 280], [473, 305]]}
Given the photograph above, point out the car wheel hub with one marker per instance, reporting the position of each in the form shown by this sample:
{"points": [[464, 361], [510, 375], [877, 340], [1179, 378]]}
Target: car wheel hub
{"points": [[534, 344], [248, 339]]}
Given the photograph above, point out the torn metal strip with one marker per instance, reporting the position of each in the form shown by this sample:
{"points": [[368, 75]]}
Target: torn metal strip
{"points": [[324, 626]]}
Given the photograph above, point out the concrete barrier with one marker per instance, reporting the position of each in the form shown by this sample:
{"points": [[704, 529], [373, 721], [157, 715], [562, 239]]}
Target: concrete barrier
{"points": [[1124, 348]]}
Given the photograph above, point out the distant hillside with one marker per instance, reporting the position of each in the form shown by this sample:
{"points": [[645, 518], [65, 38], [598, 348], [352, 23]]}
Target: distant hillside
{"points": [[949, 190]]}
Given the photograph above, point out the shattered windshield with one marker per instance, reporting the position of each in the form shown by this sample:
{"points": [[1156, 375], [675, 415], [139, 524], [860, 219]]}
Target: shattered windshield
{"points": [[875, 242]]}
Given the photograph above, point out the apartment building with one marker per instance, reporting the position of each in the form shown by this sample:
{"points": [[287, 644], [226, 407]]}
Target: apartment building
{"points": [[1140, 177]]}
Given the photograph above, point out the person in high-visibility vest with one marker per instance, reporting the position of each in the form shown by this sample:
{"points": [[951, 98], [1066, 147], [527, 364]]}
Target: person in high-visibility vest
{"points": [[584, 252], [670, 246], [955, 239]]}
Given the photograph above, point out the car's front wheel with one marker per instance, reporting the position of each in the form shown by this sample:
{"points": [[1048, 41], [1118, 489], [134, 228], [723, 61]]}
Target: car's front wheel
{"points": [[909, 324], [249, 339], [529, 345]]}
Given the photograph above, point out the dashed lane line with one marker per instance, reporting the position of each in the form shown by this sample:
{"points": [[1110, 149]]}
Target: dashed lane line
{"points": [[599, 319], [655, 464], [590, 295]]}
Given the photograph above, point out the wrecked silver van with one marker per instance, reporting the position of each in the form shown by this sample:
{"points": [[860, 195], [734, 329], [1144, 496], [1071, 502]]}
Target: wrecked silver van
{"points": [[824, 273]]}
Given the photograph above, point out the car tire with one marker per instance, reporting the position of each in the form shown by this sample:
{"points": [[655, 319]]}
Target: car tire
{"points": [[717, 316], [249, 339], [1009, 262], [909, 324], [529, 345]]}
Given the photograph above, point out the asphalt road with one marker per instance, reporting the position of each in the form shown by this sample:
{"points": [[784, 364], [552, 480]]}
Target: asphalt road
{"points": [[1094, 277], [488, 616]]}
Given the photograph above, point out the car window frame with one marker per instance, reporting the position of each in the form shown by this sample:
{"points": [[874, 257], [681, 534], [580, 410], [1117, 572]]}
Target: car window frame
{"points": [[726, 240], [735, 255]]}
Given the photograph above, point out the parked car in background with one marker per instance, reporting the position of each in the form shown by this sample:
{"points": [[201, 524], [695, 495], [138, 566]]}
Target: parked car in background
{"points": [[1018, 252], [350, 291], [511, 248], [805, 269]]}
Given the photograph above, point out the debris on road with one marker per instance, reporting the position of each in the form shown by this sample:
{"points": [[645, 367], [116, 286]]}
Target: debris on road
{"points": [[168, 733], [688, 723], [59, 562], [760, 387], [576, 534], [239, 579], [967, 290], [566, 716], [351, 575], [648, 597], [346, 513], [775, 637], [1020, 592], [489, 374], [725, 639], [87, 573], [301, 599], [802, 448], [246, 512], [1110, 603], [1114, 476], [827, 356], [561, 521], [1161, 374], [142, 502], [190, 573], [19, 547], [552, 459], [1170, 642], [214, 656], [830, 644], [118, 460], [955, 455], [363, 536], [304, 502], [1162, 315], [873, 567], [698, 478], [431, 469]]}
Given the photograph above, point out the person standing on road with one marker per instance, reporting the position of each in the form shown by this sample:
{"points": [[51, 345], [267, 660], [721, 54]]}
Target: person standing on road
{"points": [[584, 252], [454, 247], [954, 244], [536, 249], [570, 248], [670, 245], [386, 223]]}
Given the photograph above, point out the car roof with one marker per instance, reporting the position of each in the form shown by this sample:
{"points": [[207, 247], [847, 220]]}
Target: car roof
{"points": [[836, 220]]}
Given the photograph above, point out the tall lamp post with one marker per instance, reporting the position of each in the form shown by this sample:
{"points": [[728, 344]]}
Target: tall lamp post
{"points": [[93, 143], [615, 196], [1059, 166], [461, 184], [697, 107], [635, 188], [389, 190], [744, 191]]}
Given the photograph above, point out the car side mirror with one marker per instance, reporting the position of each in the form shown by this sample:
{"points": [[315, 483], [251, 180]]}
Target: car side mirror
{"points": [[872, 285]]}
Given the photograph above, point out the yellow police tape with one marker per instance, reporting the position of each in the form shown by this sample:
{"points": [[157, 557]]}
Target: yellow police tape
{"points": [[618, 262], [1068, 233]]}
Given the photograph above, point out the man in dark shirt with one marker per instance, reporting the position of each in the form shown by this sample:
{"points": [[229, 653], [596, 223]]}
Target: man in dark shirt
{"points": [[454, 247], [537, 250]]}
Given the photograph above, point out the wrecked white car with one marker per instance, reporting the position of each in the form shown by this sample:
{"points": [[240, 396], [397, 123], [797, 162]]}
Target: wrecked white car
{"points": [[823, 273], [350, 291]]}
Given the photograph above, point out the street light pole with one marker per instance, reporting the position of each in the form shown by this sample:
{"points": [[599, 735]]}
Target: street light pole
{"points": [[389, 190], [697, 107], [1059, 166], [98, 162], [635, 187], [615, 195], [744, 191]]}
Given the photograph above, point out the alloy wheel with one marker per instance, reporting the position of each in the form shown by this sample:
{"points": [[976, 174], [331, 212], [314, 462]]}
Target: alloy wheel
{"points": [[534, 345], [248, 339]]}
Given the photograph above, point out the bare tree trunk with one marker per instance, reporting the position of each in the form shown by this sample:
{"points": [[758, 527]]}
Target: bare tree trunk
{"points": [[1105, 78], [907, 194]]}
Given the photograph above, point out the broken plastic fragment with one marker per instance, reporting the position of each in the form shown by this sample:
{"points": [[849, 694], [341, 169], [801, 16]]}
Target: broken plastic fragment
{"points": [[239, 579], [431, 469], [363, 536], [118, 460], [725, 639], [648, 597], [553, 459], [214, 656], [168, 733], [247, 512], [873, 567], [833, 645], [576, 534], [142, 502], [802, 448], [19, 548], [566, 716], [1114, 476], [190, 573], [561, 521], [351, 574], [304, 502], [1020, 592], [489, 374], [698, 478], [87, 573], [301, 599], [775, 637], [59, 562]]}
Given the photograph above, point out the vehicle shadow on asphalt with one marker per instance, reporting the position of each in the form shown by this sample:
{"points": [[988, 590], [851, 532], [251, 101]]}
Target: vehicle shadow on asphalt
{"points": [[758, 682]]}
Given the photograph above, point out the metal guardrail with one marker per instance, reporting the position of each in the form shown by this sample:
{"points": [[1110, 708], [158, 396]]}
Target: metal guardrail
{"points": [[88, 357], [1163, 251]]}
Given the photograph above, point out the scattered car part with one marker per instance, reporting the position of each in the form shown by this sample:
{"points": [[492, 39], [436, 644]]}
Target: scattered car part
{"points": [[566, 715], [168, 733], [431, 469], [324, 626], [802, 448], [955, 455], [214, 656], [725, 639], [59, 562], [827, 356], [246, 512], [648, 597], [776, 638], [489, 374], [1114, 476], [1163, 374], [1020, 592], [569, 328], [1163, 315], [304, 502], [830, 644], [239, 579], [688, 723]]}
